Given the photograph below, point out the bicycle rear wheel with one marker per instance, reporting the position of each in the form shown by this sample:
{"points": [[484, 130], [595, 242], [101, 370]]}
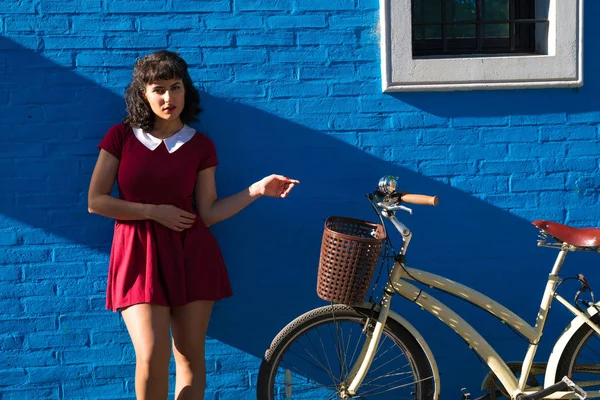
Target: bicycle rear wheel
{"points": [[312, 358], [581, 358]]}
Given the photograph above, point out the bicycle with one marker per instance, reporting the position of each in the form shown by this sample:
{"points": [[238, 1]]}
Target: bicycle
{"points": [[367, 351]]}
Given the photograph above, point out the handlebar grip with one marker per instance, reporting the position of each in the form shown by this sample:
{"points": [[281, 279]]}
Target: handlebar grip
{"points": [[420, 199]]}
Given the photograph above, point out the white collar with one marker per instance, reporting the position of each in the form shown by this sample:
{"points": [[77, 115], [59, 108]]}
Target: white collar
{"points": [[173, 143]]}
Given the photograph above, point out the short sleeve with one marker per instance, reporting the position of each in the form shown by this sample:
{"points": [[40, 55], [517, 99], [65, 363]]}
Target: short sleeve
{"points": [[113, 141], [209, 155]]}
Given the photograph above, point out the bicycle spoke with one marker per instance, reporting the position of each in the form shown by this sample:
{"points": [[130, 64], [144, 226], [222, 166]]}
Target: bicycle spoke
{"points": [[369, 387], [342, 350], [360, 344], [308, 390], [318, 385], [386, 363], [338, 344], [399, 387], [391, 373], [307, 361], [344, 376], [324, 352], [378, 352], [333, 378], [385, 352], [370, 383], [352, 361], [300, 387]]}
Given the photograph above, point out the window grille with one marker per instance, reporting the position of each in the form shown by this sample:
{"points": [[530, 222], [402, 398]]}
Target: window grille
{"points": [[452, 27]]}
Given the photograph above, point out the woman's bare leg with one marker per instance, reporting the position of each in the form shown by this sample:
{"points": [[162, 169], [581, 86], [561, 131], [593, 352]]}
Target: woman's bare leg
{"points": [[189, 324], [148, 327]]}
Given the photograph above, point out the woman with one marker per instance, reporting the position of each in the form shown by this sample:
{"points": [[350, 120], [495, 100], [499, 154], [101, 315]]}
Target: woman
{"points": [[166, 269]]}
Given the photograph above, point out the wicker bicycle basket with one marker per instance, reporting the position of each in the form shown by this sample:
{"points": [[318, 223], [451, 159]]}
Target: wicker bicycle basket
{"points": [[350, 250]]}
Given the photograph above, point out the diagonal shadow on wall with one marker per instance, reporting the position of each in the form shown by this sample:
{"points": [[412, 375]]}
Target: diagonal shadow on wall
{"points": [[53, 117]]}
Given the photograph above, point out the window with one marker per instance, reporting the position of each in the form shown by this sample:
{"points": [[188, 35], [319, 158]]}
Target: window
{"points": [[481, 44], [474, 26]]}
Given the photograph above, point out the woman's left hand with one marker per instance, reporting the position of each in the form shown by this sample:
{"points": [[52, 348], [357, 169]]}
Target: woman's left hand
{"points": [[273, 186]]}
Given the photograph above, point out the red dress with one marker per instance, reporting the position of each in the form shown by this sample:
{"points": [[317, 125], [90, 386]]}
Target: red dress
{"points": [[150, 263]]}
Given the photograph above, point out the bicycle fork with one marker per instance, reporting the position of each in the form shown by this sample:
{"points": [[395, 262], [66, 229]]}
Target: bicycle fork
{"points": [[373, 330]]}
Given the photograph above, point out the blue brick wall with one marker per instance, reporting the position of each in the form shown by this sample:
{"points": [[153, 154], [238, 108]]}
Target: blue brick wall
{"points": [[289, 86]]}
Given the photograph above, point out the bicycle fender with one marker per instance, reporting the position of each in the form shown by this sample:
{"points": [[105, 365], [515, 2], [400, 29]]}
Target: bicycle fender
{"points": [[419, 338], [561, 344]]}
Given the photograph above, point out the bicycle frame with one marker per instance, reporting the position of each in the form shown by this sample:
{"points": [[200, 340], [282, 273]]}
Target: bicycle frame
{"points": [[398, 283]]}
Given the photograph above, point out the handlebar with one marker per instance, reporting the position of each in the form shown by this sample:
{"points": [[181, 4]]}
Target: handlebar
{"points": [[388, 199], [393, 202], [420, 199]]}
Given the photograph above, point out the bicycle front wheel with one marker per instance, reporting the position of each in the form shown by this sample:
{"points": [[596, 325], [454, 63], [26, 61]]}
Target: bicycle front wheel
{"points": [[313, 356]]}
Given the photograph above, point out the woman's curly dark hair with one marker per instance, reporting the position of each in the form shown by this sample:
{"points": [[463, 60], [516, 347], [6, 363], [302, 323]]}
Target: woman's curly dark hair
{"points": [[161, 65]]}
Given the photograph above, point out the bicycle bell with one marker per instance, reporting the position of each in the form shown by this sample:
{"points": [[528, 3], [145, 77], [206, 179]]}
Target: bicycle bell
{"points": [[387, 185]]}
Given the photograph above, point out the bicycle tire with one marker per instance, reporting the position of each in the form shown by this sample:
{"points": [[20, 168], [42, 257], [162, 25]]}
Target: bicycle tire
{"points": [[412, 359], [580, 360]]}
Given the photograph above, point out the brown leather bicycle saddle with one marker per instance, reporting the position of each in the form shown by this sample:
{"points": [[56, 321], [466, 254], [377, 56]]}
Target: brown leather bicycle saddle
{"points": [[579, 237]]}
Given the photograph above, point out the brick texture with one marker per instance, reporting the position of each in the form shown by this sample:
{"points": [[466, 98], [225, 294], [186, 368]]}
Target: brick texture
{"points": [[300, 79]]}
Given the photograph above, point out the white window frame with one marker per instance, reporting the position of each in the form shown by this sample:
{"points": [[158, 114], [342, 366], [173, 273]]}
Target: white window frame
{"points": [[561, 65]]}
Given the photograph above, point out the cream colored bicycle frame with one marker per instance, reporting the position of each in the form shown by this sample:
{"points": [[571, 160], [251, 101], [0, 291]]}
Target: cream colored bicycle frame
{"points": [[398, 280]]}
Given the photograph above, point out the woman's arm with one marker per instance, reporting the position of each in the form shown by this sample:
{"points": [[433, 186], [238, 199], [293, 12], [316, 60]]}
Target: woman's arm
{"points": [[101, 202], [213, 210], [99, 199]]}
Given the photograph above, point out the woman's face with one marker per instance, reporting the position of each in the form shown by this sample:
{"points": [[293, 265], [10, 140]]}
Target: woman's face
{"points": [[166, 98]]}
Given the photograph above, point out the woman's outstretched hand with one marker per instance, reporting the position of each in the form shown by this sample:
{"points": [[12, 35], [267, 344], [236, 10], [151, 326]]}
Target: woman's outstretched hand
{"points": [[273, 186]]}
